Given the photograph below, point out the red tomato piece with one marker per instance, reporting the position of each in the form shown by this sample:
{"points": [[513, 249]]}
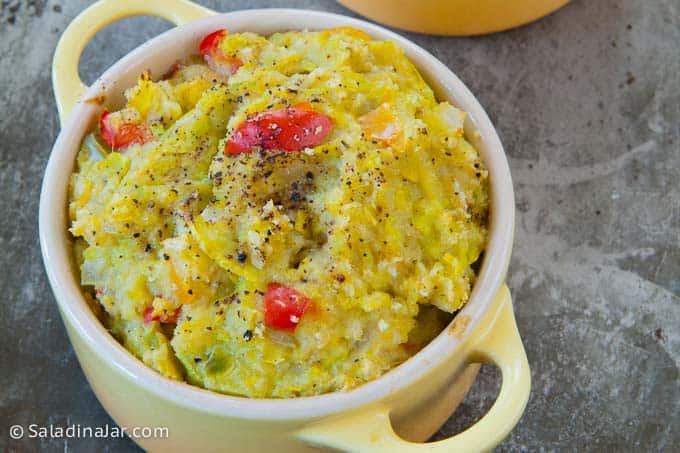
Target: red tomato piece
{"points": [[165, 319], [290, 129], [212, 41], [213, 56], [284, 307], [119, 136]]}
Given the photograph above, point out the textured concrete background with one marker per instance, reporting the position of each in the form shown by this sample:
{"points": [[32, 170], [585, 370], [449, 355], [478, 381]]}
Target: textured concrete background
{"points": [[587, 102]]}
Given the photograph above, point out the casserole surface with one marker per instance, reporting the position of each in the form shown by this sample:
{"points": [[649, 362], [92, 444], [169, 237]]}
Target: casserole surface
{"points": [[376, 225]]}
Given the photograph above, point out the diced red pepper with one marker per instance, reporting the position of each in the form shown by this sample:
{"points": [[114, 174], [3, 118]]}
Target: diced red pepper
{"points": [[212, 41], [284, 307], [213, 56], [291, 129], [147, 316], [165, 319], [123, 135]]}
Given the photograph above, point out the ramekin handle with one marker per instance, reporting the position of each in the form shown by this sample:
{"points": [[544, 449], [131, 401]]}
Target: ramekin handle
{"points": [[371, 430], [68, 88]]}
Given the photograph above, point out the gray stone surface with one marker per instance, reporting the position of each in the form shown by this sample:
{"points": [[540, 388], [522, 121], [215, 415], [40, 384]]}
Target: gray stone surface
{"points": [[587, 102]]}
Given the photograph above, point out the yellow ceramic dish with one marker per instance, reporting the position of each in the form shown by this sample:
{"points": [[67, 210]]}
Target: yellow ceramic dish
{"points": [[454, 17], [391, 413]]}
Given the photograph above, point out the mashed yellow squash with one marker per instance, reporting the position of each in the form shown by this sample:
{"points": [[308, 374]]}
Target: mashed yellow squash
{"points": [[378, 225]]}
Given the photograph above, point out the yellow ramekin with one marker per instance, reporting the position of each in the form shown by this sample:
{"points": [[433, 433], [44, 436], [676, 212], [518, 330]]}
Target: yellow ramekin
{"points": [[391, 414], [454, 17]]}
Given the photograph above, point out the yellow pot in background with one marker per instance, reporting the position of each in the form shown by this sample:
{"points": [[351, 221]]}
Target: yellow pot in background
{"points": [[454, 17]]}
